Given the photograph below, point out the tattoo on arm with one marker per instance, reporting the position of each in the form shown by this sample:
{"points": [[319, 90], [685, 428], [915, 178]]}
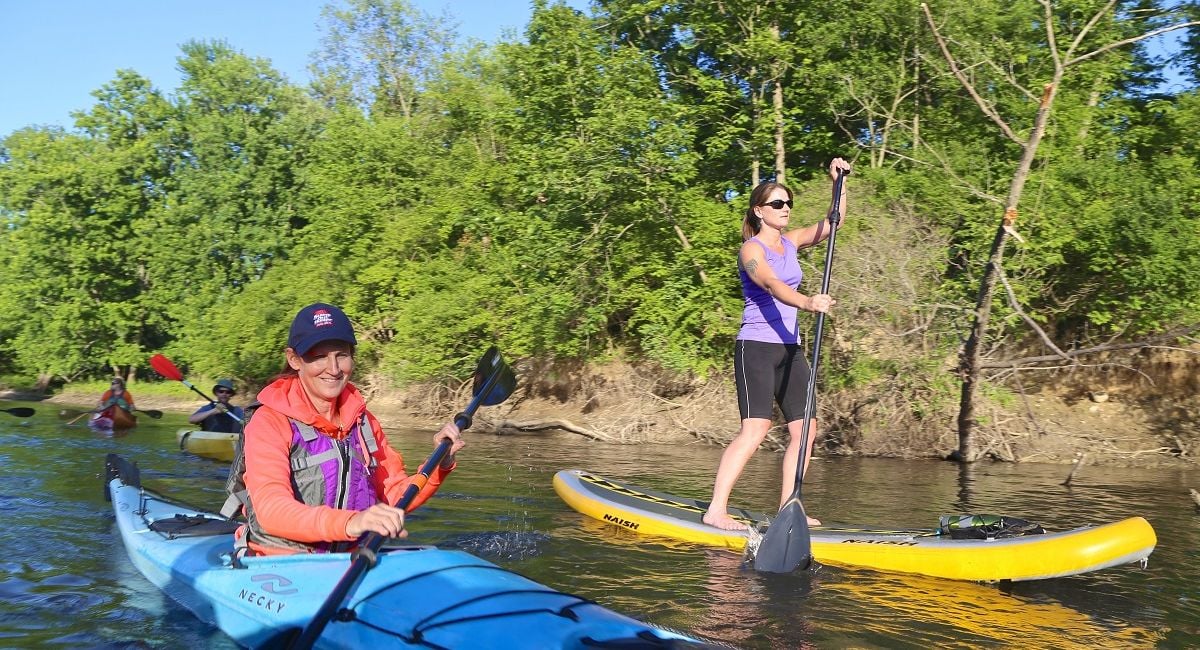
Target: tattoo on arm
{"points": [[751, 267]]}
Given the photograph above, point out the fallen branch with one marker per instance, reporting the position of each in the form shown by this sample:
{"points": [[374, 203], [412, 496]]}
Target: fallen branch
{"points": [[1079, 458], [1153, 341], [510, 426]]}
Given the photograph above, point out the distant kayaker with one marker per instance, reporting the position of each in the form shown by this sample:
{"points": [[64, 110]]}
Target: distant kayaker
{"points": [[215, 416], [318, 470], [769, 358], [116, 395]]}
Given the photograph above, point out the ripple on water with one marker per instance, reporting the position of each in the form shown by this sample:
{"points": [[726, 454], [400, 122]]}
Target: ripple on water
{"points": [[503, 545]]}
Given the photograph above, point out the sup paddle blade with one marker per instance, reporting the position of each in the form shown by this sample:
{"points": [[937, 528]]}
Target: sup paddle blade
{"points": [[164, 367], [20, 411], [787, 546]]}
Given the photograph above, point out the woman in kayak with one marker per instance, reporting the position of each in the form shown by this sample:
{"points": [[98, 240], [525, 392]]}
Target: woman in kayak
{"points": [[769, 359], [117, 396], [319, 471]]}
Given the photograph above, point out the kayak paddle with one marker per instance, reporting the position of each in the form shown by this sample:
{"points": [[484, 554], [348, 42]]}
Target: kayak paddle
{"points": [[787, 544], [168, 370], [20, 411], [151, 413], [77, 417], [494, 382]]}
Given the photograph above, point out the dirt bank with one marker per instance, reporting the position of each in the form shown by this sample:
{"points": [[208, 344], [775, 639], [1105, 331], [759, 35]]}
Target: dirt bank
{"points": [[1055, 423]]}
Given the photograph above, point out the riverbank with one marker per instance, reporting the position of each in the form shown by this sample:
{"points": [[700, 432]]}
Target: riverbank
{"points": [[1050, 426]]}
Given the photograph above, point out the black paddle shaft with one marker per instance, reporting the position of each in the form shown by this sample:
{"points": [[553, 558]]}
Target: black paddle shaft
{"points": [[369, 544], [810, 398], [787, 544]]}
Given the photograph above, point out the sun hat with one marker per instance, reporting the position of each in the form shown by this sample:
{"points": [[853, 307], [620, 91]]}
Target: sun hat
{"points": [[316, 323]]}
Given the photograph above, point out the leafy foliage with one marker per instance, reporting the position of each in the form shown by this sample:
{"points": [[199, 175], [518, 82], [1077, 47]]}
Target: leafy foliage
{"points": [[577, 193]]}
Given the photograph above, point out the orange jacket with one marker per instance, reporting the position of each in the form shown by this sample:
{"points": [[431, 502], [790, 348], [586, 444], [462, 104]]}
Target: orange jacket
{"points": [[268, 477], [127, 396]]}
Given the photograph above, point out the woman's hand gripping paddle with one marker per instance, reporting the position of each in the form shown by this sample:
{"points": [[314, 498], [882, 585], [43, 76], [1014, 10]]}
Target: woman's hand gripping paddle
{"points": [[164, 367], [787, 544], [494, 382]]}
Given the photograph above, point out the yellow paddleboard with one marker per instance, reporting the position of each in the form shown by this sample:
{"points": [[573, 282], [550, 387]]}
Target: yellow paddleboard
{"points": [[920, 551]]}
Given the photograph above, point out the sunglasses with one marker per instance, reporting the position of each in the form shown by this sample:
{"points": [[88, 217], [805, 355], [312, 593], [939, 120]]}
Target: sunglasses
{"points": [[778, 203], [223, 391]]}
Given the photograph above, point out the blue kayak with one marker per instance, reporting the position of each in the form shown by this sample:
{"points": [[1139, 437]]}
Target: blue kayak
{"points": [[414, 597]]}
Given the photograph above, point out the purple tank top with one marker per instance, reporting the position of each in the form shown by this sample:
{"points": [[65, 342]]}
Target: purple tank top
{"points": [[764, 318]]}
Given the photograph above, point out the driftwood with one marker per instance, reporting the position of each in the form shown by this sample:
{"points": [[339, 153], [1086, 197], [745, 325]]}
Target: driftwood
{"points": [[1079, 458], [511, 426]]}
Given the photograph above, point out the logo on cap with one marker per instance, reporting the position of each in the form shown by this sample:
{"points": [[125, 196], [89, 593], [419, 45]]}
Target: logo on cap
{"points": [[321, 318]]}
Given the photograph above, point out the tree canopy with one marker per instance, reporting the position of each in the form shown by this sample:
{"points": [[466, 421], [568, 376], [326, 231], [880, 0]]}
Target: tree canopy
{"points": [[576, 193]]}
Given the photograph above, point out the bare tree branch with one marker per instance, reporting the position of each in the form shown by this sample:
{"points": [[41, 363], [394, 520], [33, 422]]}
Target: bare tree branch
{"points": [[1134, 39], [1016, 307], [966, 83]]}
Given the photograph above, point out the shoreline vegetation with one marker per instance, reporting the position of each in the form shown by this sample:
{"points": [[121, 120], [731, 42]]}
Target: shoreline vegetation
{"points": [[1015, 272]]}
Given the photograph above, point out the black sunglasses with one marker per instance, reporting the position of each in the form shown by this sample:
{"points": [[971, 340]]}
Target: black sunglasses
{"points": [[223, 391], [778, 203]]}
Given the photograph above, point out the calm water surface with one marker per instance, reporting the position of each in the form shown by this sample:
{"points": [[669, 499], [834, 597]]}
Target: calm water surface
{"points": [[65, 580]]}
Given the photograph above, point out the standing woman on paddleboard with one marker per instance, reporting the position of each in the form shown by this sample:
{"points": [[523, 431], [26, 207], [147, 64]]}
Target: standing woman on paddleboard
{"points": [[319, 472], [769, 359]]}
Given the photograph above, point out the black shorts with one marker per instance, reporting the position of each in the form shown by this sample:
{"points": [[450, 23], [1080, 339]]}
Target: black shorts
{"points": [[770, 372]]}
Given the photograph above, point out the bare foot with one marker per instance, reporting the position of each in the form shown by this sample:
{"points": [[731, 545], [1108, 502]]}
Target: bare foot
{"points": [[812, 521], [723, 521]]}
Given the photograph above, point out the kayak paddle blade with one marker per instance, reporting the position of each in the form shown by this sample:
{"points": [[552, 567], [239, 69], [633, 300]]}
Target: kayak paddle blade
{"points": [[501, 387], [164, 367], [787, 545], [20, 411], [153, 414]]}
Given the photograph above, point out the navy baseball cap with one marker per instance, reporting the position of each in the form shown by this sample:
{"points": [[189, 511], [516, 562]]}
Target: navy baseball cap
{"points": [[316, 323]]}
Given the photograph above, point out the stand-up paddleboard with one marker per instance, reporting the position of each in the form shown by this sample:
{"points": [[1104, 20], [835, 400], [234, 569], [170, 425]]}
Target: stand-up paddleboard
{"points": [[930, 552]]}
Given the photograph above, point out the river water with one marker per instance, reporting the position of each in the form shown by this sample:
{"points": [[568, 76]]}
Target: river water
{"points": [[65, 580]]}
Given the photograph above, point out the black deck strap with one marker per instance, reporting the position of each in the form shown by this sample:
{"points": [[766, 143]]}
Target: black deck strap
{"points": [[566, 611], [193, 526]]}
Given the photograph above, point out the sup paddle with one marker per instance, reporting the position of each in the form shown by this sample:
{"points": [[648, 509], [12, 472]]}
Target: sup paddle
{"points": [[168, 370], [787, 544], [494, 382], [20, 411]]}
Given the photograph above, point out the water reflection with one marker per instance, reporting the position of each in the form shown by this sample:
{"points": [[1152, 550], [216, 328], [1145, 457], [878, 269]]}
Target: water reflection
{"points": [[65, 579]]}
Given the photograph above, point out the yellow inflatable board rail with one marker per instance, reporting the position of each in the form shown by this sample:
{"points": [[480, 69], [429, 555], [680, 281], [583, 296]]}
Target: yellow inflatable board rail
{"points": [[920, 551]]}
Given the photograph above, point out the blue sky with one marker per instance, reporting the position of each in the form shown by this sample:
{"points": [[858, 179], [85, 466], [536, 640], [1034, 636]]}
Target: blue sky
{"points": [[54, 53]]}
